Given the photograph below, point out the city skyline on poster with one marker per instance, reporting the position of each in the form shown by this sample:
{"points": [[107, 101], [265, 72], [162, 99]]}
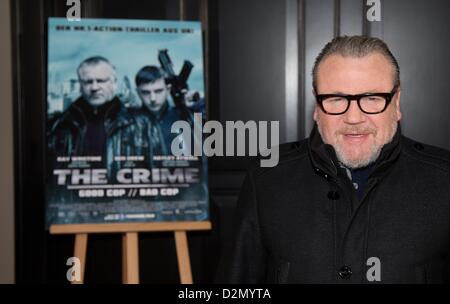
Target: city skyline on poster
{"points": [[128, 45]]}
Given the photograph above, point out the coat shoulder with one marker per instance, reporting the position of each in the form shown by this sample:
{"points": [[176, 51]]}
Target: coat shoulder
{"points": [[435, 157], [288, 153], [69, 119], [292, 151]]}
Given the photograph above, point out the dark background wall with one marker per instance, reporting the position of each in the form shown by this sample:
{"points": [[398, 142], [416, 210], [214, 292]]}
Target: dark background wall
{"points": [[6, 150], [418, 34], [260, 57]]}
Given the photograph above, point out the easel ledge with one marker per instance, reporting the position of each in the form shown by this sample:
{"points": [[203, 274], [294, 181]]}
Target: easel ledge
{"points": [[130, 244], [129, 227]]}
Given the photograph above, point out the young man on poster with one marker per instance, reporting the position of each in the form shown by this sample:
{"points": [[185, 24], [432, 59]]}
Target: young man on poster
{"points": [[357, 201], [97, 123], [157, 115]]}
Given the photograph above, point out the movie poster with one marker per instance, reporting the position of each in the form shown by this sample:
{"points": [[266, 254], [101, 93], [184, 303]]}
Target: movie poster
{"points": [[115, 89]]}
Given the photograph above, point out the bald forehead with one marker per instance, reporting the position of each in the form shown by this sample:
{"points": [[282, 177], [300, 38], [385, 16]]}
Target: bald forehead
{"points": [[101, 67], [337, 73]]}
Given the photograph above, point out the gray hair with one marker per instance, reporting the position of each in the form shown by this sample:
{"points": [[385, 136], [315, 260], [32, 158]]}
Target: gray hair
{"points": [[357, 47], [94, 60]]}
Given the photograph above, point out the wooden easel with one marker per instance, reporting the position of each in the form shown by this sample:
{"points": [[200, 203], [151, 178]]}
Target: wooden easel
{"points": [[130, 246]]}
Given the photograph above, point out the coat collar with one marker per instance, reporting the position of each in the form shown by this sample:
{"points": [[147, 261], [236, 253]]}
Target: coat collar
{"points": [[157, 115], [117, 117], [325, 162], [115, 114]]}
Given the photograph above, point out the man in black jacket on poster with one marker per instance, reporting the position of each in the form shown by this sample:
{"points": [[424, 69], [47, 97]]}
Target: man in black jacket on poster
{"points": [[97, 123], [356, 202]]}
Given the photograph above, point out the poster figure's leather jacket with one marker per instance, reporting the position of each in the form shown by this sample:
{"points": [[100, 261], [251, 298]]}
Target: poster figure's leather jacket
{"points": [[157, 130], [67, 134]]}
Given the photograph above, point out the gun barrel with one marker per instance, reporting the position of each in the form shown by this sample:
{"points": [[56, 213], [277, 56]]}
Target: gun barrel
{"points": [[166, 63], [185, 71]]}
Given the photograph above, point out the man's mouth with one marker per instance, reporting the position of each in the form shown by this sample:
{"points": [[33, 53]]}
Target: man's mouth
{"points": [[355, 137]]}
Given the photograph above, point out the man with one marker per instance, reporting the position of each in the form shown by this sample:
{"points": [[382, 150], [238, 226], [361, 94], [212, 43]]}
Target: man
{"points": [[155, 118], [96, 124], [156, 112], [356, 202]]}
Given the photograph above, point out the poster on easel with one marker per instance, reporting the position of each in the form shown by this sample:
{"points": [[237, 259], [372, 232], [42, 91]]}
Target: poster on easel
{"points": [[117, 93]]}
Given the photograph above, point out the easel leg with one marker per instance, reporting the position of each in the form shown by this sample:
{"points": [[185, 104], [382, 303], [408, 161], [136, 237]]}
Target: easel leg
{"points": [[184, 264], [130, 258], [80, 253]]}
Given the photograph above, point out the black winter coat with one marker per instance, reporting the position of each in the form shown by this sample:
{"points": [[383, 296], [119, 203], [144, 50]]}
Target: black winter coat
{"points": [[301, 221]]}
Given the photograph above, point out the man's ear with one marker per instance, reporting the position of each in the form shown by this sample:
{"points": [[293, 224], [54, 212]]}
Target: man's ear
{"points": [[397, 104], [315, 107], [115, 86]]}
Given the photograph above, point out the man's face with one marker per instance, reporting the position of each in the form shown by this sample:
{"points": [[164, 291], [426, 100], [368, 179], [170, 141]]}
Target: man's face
{"points": [[357, 137], [98, 83], [153, 94]]}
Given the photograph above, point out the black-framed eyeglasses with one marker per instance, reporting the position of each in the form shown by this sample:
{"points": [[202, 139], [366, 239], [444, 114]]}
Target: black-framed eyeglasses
{"points": [[369, 103]]}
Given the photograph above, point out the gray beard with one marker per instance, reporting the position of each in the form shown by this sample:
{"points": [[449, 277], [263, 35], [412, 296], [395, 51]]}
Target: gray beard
{"points": [[375, 151]]}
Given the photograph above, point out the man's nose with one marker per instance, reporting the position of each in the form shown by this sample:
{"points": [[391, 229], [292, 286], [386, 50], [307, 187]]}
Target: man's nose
{"points": [[152, 96], [354, 114], [95, 85]]}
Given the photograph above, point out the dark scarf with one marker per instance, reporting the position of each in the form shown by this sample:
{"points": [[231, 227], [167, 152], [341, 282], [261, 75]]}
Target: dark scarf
{"points": [[95, 136]]}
